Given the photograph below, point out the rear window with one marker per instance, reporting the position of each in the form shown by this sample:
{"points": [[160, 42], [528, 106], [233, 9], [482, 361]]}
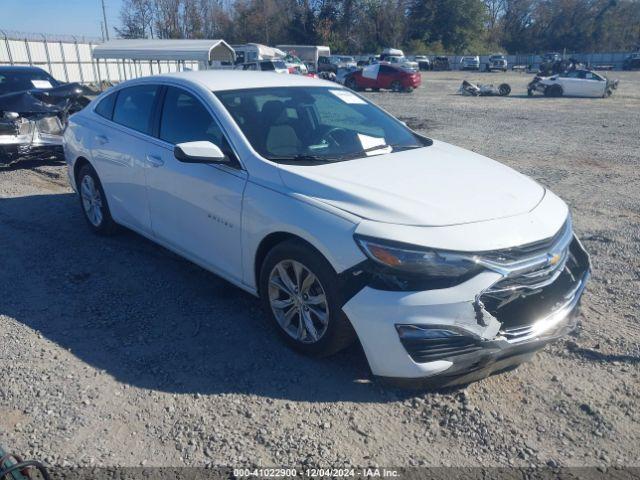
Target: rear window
{"points": [[134, 106], [105, 106], [267, 66]]}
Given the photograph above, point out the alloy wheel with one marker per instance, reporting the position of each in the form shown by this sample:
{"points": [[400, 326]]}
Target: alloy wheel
{"points": [[91, 200], [298, 301]]}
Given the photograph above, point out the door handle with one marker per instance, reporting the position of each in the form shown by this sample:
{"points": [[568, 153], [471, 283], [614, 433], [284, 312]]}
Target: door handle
{"points": [[155, 161], [101, 139]]}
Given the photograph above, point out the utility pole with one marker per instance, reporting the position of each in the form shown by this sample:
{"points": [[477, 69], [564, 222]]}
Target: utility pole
{"points": [[104, 17]]}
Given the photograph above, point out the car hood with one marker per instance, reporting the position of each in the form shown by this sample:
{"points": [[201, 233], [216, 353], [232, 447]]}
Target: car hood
{"points": [[437, 185]]}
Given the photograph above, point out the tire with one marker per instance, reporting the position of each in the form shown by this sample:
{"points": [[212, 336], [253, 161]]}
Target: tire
{"points": [[331, 336], [375, 89], [396, 86], [553, 91], [93, 202], [351, 83], [529, 92], [504, 89], [408, 89]]}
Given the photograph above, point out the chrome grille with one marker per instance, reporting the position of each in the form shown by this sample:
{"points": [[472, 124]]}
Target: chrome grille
{"points": [[530, 249], [529, 267]]}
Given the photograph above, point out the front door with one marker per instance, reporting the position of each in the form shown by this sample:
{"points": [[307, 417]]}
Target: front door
{"points": [[195, 208]]}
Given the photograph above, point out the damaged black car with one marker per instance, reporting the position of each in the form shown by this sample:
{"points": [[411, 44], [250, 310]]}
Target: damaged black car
{"points": [[34, 108]]}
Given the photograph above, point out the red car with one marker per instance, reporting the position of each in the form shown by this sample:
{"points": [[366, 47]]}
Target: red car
{"points": [[386, 76]]}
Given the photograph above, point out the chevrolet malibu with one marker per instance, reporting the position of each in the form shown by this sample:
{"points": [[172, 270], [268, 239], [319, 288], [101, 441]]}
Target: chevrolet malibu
{"points": [[445, 265]]}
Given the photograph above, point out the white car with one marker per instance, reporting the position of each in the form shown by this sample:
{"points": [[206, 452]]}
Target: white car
{"points": [[274, 66], [444, 264], [574, 83], [402, 62], [470, 63]]}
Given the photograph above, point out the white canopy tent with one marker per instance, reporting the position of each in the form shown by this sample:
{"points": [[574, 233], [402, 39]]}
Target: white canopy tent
{"points": [[205, 52]]}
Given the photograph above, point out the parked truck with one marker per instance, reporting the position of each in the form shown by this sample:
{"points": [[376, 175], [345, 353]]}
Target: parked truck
{"points": [[309, 54]]}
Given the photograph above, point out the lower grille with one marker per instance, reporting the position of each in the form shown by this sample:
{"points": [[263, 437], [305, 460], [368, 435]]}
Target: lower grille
{"points": [[423, 350]]}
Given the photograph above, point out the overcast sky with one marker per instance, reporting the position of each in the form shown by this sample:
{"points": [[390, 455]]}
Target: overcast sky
{"points": [[68, 17]]}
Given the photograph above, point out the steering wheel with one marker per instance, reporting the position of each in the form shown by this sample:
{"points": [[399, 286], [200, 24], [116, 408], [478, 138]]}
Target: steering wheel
{"points": [[330, 138]]}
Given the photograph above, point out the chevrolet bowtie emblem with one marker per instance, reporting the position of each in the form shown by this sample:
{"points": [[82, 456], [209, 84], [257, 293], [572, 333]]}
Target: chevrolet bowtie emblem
{"points": [[554, 259]]}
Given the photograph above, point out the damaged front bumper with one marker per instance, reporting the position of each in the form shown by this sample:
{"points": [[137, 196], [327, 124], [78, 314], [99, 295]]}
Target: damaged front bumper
{"points": [[461, 334], [30, 138]]}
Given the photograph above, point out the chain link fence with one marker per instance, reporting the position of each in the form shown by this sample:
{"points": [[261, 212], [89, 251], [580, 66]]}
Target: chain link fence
{"points": [[68, 58]]}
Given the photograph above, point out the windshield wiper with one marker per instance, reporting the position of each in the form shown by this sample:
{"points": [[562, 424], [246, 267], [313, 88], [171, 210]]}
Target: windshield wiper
{"points": [[308, 158], [301, 158], [394, 148]]}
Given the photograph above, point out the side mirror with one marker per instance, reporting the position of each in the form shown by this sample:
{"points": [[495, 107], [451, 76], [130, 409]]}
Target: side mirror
{"points": [[199, 152]]}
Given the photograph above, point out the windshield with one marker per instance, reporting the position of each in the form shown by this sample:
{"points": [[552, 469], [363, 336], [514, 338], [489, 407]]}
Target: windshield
{"points": [[309, 125], [20, 81], [347, 59]]}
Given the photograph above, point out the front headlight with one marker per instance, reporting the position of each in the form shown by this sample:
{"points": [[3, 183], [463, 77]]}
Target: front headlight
{"points": [[416, 260], [50, 126]]}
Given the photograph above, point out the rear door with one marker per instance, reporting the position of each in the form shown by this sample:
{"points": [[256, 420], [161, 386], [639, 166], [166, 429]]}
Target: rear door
{"points": [[195, 208], [120, 137]]}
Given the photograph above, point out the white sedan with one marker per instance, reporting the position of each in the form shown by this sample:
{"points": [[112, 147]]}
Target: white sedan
{"points": [[444, 264], [573, 83]]}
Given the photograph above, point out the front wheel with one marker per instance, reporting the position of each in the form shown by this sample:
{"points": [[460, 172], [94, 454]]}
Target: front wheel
{"points": [[94, 202], [553, 91], [396, 86], [300, 291]]}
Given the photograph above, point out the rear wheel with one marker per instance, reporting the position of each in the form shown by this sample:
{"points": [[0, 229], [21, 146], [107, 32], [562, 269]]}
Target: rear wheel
{"points": [[94, 202], [351, 83], [300, 291], [396, 86]]}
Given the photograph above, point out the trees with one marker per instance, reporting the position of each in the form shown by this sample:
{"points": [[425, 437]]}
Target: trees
{"points": [[422, 26]]}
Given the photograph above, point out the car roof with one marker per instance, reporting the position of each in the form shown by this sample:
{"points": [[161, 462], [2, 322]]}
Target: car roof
{"points": [[21, 69], [220, 80]]}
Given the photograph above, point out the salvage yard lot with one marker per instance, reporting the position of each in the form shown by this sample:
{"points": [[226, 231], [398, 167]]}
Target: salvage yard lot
{"points": [[116, 352]]}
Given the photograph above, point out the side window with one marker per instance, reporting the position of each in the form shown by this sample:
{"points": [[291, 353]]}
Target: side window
{"points": [[386, 69], [134, 106], [105, 107], [184, 119]]}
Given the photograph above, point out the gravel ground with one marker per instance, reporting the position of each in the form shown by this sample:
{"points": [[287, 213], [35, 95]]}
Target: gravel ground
{"points": [[116, 352]]}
